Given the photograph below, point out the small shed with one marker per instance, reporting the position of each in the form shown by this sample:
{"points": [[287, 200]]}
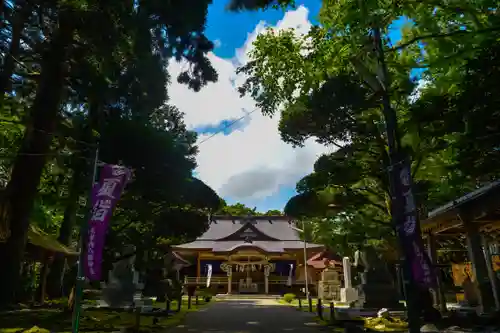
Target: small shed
{"points": [[317, 263], [325, 259], [40, 243], [38, 238]]}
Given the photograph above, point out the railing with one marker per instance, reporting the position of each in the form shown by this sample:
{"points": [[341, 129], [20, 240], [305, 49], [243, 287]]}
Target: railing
{"points": [[284, 280], [278, 280], [248, 288], [203, 280], [224, 280], [303, 282]]}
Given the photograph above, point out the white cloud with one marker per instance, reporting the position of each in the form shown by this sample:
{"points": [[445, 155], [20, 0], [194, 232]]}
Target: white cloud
{"points": [[251, 162], [417, 91]]}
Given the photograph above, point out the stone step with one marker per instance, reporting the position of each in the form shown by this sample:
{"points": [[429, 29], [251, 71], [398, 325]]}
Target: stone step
{"points": [[247, 296]]}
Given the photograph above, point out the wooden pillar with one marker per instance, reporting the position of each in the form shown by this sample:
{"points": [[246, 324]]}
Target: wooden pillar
{"points": [[479, 266], [491, 272], [229, 280], [198, 268], [439, 297], [229, 271], [43, 277], [400, 279], [267, 271], [298, 263]]}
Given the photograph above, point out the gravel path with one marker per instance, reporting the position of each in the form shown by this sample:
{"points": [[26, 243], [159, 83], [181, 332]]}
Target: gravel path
{"points": [[247, 316]]}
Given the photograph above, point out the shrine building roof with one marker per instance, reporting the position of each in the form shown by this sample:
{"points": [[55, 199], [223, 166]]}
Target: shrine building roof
{"points": [[325, 259], [265, 233]]}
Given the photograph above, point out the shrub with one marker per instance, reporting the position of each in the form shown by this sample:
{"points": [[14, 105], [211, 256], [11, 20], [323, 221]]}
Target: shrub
{"points": [[289, 297], [207, 295]]}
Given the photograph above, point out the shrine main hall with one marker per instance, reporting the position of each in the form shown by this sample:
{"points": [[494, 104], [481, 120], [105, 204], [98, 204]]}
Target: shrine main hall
{"points": [[248, 254]]}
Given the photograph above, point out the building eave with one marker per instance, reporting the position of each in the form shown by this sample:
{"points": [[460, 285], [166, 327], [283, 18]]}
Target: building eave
{"points": [[454, 205], [308, 246]]}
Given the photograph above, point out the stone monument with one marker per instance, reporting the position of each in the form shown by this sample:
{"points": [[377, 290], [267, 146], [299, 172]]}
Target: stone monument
{"points": [[375, 287], [348, 294], [123, 282], [329, 285]]}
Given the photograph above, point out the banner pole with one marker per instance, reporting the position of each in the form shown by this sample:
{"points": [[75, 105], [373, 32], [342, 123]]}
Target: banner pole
{"points": [[80, 278]]}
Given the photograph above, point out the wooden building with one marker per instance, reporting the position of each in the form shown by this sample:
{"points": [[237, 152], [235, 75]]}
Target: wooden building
{"points": [[474, 217], [250, 254], [319, 262]]}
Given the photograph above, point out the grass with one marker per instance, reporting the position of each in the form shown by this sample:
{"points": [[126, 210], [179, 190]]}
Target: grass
{"points": [[305, 304], [326, 312], [92, 321], [305, 308], [373, 324]]}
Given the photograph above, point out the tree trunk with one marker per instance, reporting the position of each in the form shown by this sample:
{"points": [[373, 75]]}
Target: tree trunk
{"points": [[21, 14], [43, 279], [54, 280], [30, 161], [78, 184]]}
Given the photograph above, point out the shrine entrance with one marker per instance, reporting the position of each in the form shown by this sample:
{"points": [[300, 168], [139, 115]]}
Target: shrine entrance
{"points": [[248, 273], [248, 254]]}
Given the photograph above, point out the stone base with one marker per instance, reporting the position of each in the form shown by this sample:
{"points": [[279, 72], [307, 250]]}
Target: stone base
{"points": [[348, 295], [329, 290], [378, 297]]}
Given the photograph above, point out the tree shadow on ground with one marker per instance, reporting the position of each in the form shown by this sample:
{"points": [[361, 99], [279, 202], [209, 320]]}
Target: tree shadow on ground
{"points": [[59, 321], [250, 316]]}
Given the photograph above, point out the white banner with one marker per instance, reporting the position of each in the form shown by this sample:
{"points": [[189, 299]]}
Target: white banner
{"points": [[289, 281], [209, 274]]}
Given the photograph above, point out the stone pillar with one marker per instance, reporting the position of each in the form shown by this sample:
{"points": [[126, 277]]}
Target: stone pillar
{"points": [[439, 297], [346, 263], [479, 266], [348, 294]]}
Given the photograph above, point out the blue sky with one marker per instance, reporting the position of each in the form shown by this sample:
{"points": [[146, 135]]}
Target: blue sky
{"points": [[231, 31]]}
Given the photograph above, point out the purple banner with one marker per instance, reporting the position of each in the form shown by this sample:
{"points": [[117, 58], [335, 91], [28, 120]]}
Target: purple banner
{"points": [[105, 195], [408, 228]]}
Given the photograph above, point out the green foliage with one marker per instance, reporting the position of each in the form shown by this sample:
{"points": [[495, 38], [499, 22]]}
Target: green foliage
{"points": [[237, 209], [240, 209], [238, 5], [289, 298], [468, 117], [273, 212], [80, 73], [207, 295], [163, 204], [322, 84], [56, 319]]}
